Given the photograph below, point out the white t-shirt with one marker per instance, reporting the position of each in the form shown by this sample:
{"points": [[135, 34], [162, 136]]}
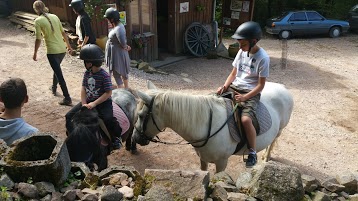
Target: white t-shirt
{"points": [[78, 28], [249, 69]]}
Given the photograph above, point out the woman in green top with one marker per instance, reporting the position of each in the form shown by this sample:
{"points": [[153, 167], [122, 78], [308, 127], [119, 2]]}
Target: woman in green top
{"points": [[49, 27]]}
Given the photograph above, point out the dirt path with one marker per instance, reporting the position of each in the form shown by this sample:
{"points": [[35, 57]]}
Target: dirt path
{"points": [[321, 138]]}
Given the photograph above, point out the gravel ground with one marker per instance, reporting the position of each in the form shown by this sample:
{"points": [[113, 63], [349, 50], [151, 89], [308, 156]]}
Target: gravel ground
{"points": [[321, 73]]}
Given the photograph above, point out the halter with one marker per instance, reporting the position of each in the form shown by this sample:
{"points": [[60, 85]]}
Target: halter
{"points": [[145, 122]]}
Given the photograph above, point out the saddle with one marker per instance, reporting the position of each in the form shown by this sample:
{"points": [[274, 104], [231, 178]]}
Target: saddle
{"points": [[262, 122], [122, 120]]}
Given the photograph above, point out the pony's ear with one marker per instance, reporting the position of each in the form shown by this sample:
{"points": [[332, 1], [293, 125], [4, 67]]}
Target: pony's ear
{"points": [[150, 85], [145, 97]]}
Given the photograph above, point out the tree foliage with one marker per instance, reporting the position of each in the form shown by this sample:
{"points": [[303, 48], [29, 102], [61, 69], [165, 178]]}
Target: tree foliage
{"points": [[265, 9]]}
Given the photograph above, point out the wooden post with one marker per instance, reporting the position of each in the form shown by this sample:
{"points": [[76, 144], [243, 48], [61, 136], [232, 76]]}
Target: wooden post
{"points": [[65, 7], [252, 10]]}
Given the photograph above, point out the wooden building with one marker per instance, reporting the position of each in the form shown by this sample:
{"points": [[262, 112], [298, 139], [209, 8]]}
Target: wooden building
{"points": [[236, 12], [152, 26]]}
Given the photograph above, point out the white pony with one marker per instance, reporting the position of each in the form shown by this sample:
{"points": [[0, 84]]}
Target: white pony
{"points": [[202, 120]]}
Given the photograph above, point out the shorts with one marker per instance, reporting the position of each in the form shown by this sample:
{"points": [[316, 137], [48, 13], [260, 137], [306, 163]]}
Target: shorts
{"points": [[250, 106]]}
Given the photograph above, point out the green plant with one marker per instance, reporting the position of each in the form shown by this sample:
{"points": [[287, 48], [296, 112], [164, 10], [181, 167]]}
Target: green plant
{"points": [[29, 180], [95, 8], [138, 40], [4, 195], [72, 177], [200, 7]]}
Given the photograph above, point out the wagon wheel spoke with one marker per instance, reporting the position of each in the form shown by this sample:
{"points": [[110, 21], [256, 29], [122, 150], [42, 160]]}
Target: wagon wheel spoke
{"points": [[197, 39]]}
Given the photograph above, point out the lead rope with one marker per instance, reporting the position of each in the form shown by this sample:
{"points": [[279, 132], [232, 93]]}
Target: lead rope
{"points": [[209, 136]]}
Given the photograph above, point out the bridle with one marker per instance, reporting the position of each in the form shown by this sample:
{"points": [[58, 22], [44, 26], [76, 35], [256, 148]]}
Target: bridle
{"points": [[145, 122], [150, 115]]}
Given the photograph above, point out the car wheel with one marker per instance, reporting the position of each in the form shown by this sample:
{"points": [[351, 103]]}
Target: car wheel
{"points": [[285, 34], [334, 32]]}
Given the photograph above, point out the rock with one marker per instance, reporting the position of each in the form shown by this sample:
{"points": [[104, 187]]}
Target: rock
{"points": [[127, 192], [243, 181], [6, 181], [236, 196], [56, 196], [307, 198], [79, 193], [332, 185], [128, 170], [45, 188], [89, 197], [158, 193], [349, 181], [90, 181], [109, 193], [3, 145], [90, 191], [187, 80], [353, 197], [276, 181], [184, 184], [227, 187], [184, 75], [69, 195], [118, 178], [134, 64], [320, 196], [309, 183], [28, 190], [41, 156], [143, 66], [47, 198], [222, 176], [219, 193]]}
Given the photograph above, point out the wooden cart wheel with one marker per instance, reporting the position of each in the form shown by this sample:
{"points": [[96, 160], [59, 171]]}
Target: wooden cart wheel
{"points": [[197, 39]]}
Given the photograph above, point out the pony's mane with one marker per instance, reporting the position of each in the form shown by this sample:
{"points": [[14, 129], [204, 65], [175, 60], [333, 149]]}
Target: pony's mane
{"points": [[186, 108]]}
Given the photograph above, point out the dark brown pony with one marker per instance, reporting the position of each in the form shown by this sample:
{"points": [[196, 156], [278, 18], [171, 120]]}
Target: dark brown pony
{"points": [[88, 143]]}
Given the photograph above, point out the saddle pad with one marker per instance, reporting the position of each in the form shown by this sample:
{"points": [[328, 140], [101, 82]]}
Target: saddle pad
{"points": [[121, 117], [263, 118], [233, 129]]}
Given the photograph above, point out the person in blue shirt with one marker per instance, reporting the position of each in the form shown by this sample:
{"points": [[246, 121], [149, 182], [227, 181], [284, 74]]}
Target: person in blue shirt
{"points": [[13, 94]]}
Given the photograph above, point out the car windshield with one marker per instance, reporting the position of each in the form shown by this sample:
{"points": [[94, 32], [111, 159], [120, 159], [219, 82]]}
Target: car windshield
{"points": [[355, 8], [281, 16]]}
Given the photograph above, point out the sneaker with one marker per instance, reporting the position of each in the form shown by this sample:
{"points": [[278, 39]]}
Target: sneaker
{"points": [[53, 90], [251, 160], [117, 144], [65, 101]]}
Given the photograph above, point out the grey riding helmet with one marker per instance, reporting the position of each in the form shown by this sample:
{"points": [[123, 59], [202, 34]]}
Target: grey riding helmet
{"points": [[111, 13], [77, 5], [91, 52]]}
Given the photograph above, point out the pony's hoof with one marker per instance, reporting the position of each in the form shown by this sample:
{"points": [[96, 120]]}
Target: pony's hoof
{"points": [[134, 151]]}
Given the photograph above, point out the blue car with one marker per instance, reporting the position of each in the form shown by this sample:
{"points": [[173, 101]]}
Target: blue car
{"points": [[298, 23], [353, 18]]}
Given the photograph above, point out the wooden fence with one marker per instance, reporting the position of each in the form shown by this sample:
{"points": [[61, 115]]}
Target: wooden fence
{"points": [[62, 9]]}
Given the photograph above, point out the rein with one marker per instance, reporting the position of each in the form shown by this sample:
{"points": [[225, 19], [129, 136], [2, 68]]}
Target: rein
{"points": [[202, 140], [146, 119]]}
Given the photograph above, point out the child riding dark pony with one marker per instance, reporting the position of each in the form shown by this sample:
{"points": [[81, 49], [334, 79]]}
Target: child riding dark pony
{"points": [[96, 91]]}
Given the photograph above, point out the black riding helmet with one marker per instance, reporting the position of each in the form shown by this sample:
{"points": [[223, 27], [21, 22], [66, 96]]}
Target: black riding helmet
{"points": [[77, 5], [248, 31], [91, 52], [112, 13]]}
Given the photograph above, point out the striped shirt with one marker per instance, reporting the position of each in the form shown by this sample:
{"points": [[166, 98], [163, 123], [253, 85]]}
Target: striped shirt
{"points": [[96, 84]]}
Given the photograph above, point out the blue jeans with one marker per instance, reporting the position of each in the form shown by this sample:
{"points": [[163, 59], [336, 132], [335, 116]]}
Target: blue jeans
{"points": [[55, 62]]}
